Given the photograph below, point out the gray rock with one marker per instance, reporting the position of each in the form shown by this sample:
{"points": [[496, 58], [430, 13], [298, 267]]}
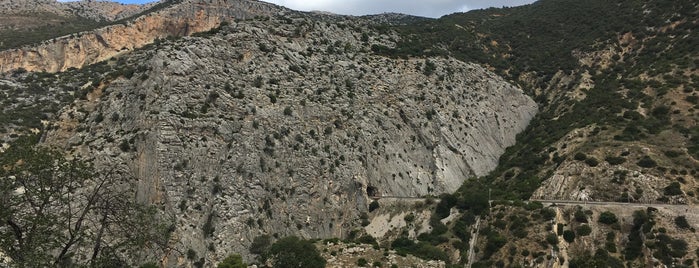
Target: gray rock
{"points": [[282, 128]]}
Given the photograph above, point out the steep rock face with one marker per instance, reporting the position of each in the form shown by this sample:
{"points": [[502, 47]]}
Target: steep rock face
{"points": [[86, 48], [286, 125]]}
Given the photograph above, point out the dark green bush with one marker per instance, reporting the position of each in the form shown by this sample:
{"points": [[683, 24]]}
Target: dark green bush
{"points": [[615, 160], [646, 162], [580, 216], [673, 189], [373, 205], [423, 250], [569, 236], [548, 214], [294, 252], [682, 223], [552, 239], [232, 261], [583, 230], [362, 262], [608, 217], [591, 161]]}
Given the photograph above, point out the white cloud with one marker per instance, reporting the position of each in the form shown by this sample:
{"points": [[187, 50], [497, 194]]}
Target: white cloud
{"points": [[427, 8]]}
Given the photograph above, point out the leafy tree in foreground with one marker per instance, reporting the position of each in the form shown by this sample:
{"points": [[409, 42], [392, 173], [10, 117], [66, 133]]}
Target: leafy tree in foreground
{"points": [[60, 212]]}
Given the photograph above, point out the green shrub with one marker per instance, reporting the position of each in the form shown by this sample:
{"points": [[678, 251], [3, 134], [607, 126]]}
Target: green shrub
{"points": [[552, 239], [373, 205], [191, 254], [672, 153], [569, 236], [583, 230], [615, 160], [673, 189], [409, 217], [232, 261], [591, 161], [208, 227], [260, 244], [548, 214], [646, 162], [580, 216], [124, 146], [494, 242], [682, 223], [608, 217], [366, 239], [362, 262], [294, 252], [423, 250], [580, 156]]}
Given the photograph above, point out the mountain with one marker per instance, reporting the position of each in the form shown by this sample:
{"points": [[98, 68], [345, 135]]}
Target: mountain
{"points": [[19, 24], [261, 121], [616, 85], [557, 134]]}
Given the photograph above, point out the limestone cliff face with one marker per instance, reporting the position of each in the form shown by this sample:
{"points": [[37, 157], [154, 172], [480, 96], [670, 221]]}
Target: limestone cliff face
{"points": [[86, 48], [286, 125]]}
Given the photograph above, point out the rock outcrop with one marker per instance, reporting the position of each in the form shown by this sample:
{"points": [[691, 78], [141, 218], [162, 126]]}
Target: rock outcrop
{"points": [[286, 125]]}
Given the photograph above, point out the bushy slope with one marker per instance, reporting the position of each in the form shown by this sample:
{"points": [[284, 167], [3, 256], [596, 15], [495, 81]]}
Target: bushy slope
{"points": [[627, 69]]}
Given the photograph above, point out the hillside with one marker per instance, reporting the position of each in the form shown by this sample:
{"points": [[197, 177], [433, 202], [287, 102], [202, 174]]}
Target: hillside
{"points": [[616, 85], [615, 81], [267, 125]]}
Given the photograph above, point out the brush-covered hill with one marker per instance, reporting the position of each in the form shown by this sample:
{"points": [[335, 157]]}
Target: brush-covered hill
{"points": [[616, 83]]}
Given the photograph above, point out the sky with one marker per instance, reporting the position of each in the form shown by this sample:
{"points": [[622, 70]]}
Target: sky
{"points": [[425, 8]]}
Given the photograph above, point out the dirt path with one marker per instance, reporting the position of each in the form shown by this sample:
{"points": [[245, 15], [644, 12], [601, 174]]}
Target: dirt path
{"points": [[473, 242]]}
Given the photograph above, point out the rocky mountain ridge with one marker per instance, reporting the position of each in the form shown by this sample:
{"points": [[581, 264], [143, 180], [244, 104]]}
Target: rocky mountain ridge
{"points": [[286, 125], [292, 123], [90, 9], [171, 19]]}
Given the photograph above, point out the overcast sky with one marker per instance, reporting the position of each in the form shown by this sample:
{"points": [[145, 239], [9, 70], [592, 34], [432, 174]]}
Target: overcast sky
{"points": [[426, 8]]}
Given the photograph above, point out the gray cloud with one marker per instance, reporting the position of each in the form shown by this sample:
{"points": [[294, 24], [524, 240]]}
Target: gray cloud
{"points": [[429, 8]]}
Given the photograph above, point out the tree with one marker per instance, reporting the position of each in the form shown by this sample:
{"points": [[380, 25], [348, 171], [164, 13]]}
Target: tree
{"points": [[608, 217], [294, 252], [569, 236], [373, 205], [232, 261], [552, 238], [673, 189], [60, 212], [583, 230], [260, 246], [580, 216], [682, 223]]}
